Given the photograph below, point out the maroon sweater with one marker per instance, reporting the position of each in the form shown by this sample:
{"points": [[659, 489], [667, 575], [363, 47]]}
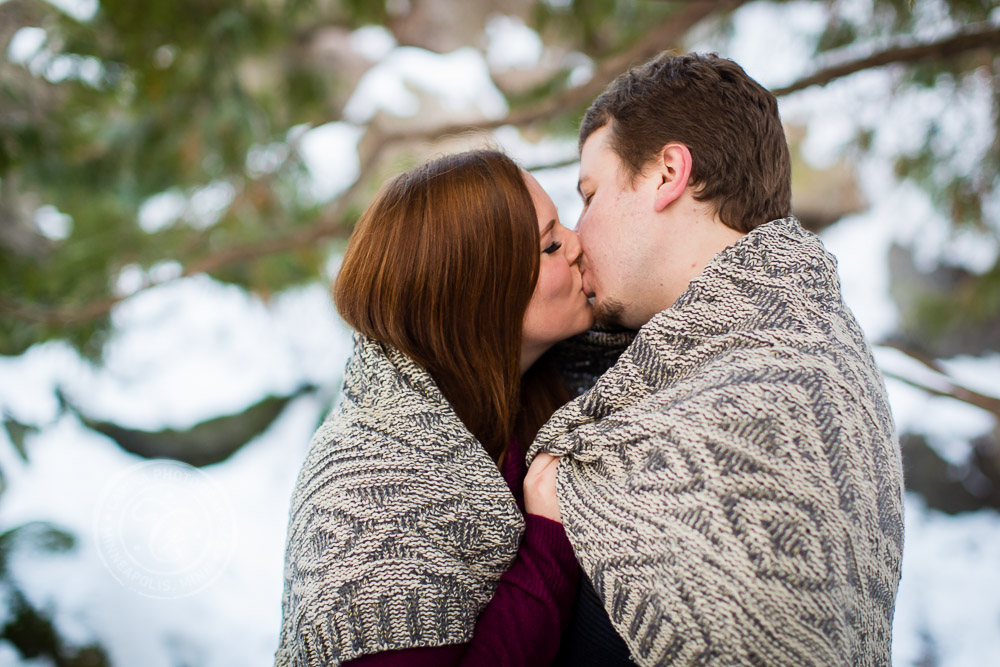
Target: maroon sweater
{"points": [[522, 624]]}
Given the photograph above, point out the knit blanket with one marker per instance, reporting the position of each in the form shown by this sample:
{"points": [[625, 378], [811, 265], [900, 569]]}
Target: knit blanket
{"points": [[400, 523], [733, 485]]}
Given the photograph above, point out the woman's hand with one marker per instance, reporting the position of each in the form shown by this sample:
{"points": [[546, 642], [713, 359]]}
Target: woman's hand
{"points": [[540, 487]]}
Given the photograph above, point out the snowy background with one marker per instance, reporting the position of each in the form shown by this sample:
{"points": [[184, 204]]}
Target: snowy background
{"points": [[193, 349]]}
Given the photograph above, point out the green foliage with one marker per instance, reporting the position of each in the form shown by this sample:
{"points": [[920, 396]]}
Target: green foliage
{"points": [[33, 634], [951, 488], [367, 11], [34, 535], [838, 34], [17, 432], [539, 93], [602, 27], [970, 303], [175, 96], [28, 629], [948, 311], [959, 196], [184, 90], [205, 443]]}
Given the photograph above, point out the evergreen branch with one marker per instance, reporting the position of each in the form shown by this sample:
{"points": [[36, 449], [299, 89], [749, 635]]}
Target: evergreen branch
{"points": [[332, 224], [58, 317], [986, 37], [373, 146]]}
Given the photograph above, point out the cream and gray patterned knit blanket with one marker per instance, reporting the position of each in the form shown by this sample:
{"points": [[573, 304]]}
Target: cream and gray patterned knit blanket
{"points": [[732, 486], [400, 524]]}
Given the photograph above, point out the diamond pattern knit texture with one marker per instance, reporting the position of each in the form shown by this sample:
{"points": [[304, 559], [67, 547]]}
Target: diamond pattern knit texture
{"points": [[733, 485], [400, 524]]}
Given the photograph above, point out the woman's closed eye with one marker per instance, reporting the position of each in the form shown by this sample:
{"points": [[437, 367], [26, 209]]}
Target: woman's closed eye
{"points": [[552, 247]]}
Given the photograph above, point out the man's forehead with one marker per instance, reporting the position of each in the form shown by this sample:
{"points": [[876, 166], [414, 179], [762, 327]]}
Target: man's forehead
{"points": [[597, 142], [598, 157]]}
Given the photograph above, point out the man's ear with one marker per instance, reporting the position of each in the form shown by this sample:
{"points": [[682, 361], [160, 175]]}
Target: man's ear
{"points": [[675, 171]]}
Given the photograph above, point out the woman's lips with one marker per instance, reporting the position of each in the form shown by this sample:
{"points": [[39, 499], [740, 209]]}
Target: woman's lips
{"points": [[585, 286]]}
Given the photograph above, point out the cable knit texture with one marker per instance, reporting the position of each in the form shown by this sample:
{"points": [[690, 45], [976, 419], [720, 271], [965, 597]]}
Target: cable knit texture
{"points": [[733, 486], [400, 524]]}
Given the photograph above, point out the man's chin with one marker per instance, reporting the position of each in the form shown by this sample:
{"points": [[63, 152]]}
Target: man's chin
{"points": [[609, 312]]}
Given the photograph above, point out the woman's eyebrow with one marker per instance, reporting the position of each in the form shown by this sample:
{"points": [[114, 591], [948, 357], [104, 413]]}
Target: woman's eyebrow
{"points": [[548, 227]]}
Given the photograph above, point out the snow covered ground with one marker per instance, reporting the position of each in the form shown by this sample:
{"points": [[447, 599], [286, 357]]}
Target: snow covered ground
{"points": [[195, 349], [236, 346], [174, 585]]}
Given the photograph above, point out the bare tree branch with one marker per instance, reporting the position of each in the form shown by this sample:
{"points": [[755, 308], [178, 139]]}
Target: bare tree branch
{"points": [[958, 392], [60, 317], [330, 225], [951, 388], [919, 355], [984, 37], [668, 34]]}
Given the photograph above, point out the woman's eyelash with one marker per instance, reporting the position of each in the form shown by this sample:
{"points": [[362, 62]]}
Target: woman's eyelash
{"points": [[552, 247]]}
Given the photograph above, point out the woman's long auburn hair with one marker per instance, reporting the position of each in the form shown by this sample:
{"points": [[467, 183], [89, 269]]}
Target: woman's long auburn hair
{"points": [[442, 266]]}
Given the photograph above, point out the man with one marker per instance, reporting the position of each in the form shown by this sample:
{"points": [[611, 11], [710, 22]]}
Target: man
{"points": [[732, 486]]}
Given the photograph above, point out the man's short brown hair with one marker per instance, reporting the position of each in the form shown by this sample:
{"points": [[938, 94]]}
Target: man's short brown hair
{"points": [[727, 120]]}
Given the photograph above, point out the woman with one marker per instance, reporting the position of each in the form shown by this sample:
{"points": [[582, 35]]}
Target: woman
{"points": [[410, 540]]}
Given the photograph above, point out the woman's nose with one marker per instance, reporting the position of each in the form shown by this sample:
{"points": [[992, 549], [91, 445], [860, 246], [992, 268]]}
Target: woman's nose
{"points": [[573, 248]]}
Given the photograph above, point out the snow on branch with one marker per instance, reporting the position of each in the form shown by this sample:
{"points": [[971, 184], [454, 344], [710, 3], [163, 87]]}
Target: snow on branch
{"points": [[985, 37]]}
